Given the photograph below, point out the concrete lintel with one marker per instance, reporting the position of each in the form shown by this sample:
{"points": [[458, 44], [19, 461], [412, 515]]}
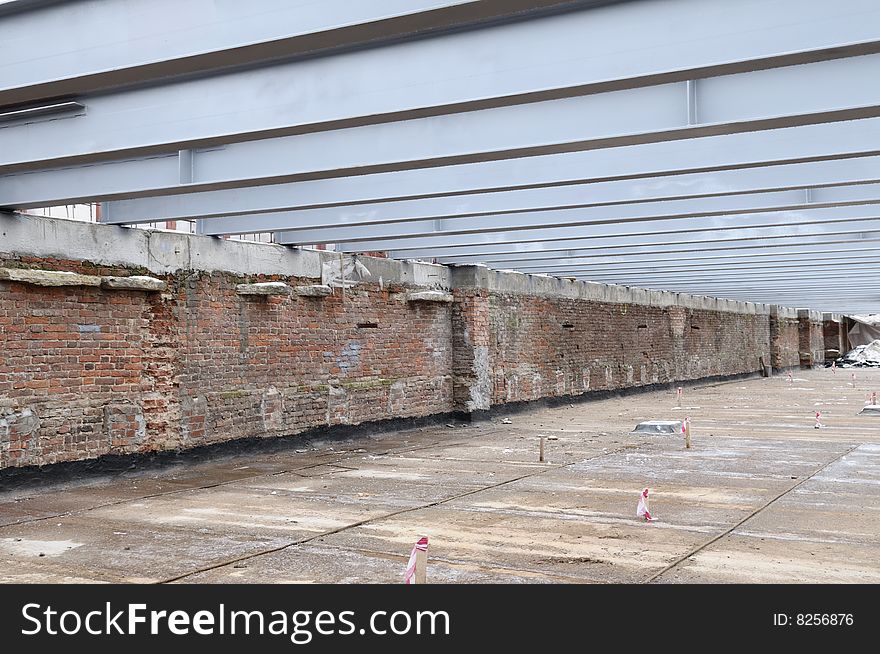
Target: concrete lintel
{"points": [[134, 283], [48, 277], [313, 290], [429, 296], [264, 289]]}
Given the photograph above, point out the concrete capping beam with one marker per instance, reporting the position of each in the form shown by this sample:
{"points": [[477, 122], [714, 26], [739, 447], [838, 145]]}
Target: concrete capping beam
{"points": [[513, 282], [429, 296], [48, 277], [809, 314], [134, 283], [470, 276], [264, 289], [313, 290], [832, 317], [783, 313], [169, 252], [161, 252]]}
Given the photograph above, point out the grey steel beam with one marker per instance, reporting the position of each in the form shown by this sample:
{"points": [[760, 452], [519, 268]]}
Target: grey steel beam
{"points": [[581, 200], [209, 36], [388, 84], [639, 244], [655, 171], [380, 126], [802, 280], [770, 202], [784, 276], [663, 252], [786, 221], [716, 267], [331, 175], [279, 206], [609, 262], [127, 42], [734, 247]]}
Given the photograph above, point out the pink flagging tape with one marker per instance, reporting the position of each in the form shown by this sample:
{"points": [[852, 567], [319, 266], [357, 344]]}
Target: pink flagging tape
{"points": [[421, 545], [642, 509], [818, 420]]}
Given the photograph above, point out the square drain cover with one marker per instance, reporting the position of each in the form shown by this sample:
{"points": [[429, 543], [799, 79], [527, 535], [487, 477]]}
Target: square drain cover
{"points": [[658, 427]]}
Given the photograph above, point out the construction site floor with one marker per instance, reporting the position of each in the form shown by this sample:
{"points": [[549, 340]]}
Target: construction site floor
{"points": [[762, 496]]}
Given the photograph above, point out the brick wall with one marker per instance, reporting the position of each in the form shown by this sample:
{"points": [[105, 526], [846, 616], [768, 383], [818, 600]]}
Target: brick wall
{"points": [[269, 366], [545, 346], [834, 330], [811, 338], [784, 338], [87, 371], [93, 370], [71, 373]]}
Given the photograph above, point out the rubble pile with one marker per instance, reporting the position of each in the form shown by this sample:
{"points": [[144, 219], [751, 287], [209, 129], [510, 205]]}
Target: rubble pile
{"points": [[861, 356]]}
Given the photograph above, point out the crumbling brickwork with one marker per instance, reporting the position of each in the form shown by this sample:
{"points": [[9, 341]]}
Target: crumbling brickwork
{"points": [[471, 337]]}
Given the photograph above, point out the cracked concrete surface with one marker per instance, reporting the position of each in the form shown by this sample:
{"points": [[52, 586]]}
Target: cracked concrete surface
{"points": [[763, 496]]}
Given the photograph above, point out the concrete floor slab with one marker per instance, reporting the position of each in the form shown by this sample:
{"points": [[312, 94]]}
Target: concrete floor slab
{"points": [[762, 496]]}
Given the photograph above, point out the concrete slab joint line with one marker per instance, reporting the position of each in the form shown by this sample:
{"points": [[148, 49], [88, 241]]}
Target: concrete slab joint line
{"points": [[48, 277], [429, 296], [264, 289], [730, 530], [386, 516]]}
